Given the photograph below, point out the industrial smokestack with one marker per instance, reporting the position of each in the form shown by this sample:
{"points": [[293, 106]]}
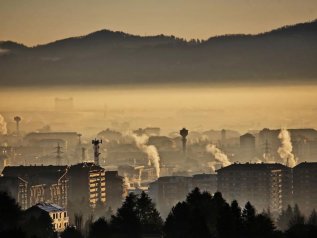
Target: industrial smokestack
{"points": [[17, 119], [79, 139], [219, 156], [150, 150], [285, 150], [184, 133], [58, 154], [223, 137], [96, 143], [3, 126], [83, 154]]}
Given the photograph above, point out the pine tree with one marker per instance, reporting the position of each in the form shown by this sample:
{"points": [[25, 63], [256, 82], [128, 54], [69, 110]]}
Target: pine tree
{"points": [[284, 218], [177, 223], [237, 223], [312, 220], [297, 218], [10, 212], [100, 209], [248, 213], [109, 213], [99, 229], [126, 221], [149, 217], [71, 232]]}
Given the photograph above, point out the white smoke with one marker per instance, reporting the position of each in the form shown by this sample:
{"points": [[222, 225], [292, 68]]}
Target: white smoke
{"points": [[219, 156], [3, 126], [285, 150], [126, 182], [267, 158], [212, 165], [150, 150], [139, 179]]}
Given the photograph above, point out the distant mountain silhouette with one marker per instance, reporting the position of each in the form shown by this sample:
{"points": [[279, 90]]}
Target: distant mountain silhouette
{"points": [[287, 54]]}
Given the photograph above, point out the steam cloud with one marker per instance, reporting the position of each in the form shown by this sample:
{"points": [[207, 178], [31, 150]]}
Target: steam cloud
{"points": [[285, 150], [126, 182], [150, 150], [219, 156], [3, 126]]}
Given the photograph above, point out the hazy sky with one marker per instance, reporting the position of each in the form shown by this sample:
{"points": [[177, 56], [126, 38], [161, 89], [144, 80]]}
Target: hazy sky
{"points": [[40, 21], [170, 107]]}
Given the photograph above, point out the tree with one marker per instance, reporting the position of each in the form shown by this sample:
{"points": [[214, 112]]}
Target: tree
{"points": [[262, 226], [297, 217], [284, 219], [87, 225], [126, 222], [100, 209], [177, 223], [236, 218], [17, 232], [39, 226], [10, 213], [302, 231], [248, 213], [149, 217], [108, 214], [191, 218], [312, 220], [71, 232], [99, 229]]}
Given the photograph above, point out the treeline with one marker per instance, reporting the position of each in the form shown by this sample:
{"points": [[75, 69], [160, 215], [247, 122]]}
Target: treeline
{"points": [[200, 215], [15, 223]]}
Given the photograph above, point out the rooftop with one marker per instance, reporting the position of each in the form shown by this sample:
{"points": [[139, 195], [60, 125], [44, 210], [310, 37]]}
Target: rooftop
{"points": [[251, 166], [306, 165], [50, 207], [36, 173]]}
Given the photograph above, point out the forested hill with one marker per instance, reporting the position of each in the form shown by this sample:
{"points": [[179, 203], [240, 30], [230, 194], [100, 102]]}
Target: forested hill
{"points": [[287, 54]]}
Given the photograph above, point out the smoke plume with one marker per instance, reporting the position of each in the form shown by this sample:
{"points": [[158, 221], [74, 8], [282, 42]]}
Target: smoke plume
{"points": [[150, 150], [126, 182], [285, 150], [3, 126], [219, 156]]}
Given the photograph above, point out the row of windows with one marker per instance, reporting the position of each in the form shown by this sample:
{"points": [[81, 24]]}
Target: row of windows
{"points": [[61, 225], [59, 215]]}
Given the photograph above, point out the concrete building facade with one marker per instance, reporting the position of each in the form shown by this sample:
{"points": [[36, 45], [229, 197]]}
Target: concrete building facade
{"points": [[266, 186], [59, 216], [305, 190], [87, 184]]}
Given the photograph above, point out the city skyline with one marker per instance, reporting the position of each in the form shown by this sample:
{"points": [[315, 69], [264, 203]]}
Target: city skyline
{"points": [[158, 119]]}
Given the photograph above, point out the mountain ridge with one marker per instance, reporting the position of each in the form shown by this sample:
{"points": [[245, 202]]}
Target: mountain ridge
{"points": [[112, 57]]}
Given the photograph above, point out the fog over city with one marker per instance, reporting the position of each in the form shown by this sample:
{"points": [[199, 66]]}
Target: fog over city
{"points": [[198, 107], [158, 119]]}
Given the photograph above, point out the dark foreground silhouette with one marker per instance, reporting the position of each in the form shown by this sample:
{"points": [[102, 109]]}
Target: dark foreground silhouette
{"points": [[200, 215]]}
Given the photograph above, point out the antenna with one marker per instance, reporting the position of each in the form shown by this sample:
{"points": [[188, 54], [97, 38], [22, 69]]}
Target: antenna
{"points": [[96, 143]]}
